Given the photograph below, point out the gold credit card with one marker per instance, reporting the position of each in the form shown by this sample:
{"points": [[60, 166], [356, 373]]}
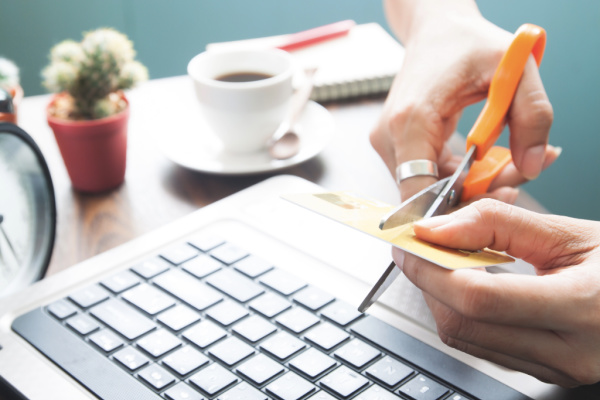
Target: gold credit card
{"points": [[364, 214]]}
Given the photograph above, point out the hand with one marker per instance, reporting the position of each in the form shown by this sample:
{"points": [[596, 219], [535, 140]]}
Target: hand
{"points": [[547, 325], [451, 55]]}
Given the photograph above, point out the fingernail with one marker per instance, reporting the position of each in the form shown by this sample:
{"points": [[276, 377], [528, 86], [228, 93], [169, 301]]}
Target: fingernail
{"points": [[533, 160], [558, 151], [435, 222]]}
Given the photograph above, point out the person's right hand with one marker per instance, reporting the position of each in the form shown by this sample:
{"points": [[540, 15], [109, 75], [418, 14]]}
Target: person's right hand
{"points": [[451, 55]]}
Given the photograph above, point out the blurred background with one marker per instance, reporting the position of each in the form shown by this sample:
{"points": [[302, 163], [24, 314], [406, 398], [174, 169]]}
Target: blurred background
{"points": [[167, 34]]}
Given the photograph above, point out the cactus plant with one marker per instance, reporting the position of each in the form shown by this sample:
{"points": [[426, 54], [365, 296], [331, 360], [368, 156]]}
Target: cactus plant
{"points": [[92, 72]]}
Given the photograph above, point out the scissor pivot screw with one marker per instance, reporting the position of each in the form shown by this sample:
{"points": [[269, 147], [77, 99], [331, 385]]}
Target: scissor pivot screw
{"points": [[451, 196]]}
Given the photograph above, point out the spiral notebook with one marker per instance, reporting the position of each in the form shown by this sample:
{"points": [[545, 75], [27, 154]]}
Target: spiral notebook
{"points": [[363, 62]]}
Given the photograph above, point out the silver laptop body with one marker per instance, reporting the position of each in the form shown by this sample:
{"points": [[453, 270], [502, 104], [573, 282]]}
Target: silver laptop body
{"points": [[319, 252]]}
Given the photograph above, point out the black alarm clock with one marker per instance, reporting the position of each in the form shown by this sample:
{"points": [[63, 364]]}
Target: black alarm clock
{"points": [[27, 210]]}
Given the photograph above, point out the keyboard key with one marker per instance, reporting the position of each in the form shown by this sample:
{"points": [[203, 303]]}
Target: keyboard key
{"points": [[204, 333], [83, 324], [150, 268], [182, 391], [227, 312], [179, 317], [389, 371], [123, 318], [179, 253], [290, 387], [185, 360], [312, 363], [322, 395], [62, 309], [254, 328], [131, 358], [341, 313], [188, 289], [148, 299], [313, 298], [228, 253], [106, 340], [253, 266], [243, 391], [89, 296], [457, 396], [159, 343], [282, 282], [213, 379], [121, 281], [344, 381], [260, 369], [282, 345], [231, 351], [235, 285], [297, 319], [376, 393], [204, 242], [423, 388], [326, 336], [156, 376], [357, 353], [202, 266], [270, 305]]}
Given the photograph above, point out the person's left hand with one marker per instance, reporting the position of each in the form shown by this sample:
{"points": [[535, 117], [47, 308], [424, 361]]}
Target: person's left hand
{"points": [[547, 325]]}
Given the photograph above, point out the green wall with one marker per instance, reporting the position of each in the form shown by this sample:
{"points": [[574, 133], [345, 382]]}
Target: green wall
{"points": [[168, 33]]}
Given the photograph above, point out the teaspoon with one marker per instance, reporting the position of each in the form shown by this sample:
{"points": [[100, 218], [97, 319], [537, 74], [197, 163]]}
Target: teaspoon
{"points": [[285, 142]]}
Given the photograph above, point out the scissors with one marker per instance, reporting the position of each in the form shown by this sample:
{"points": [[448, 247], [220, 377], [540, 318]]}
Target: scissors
{"points": [[482, 161]]}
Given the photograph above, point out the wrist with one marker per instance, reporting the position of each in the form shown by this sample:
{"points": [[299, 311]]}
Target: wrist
{"points": [[408, 17]]}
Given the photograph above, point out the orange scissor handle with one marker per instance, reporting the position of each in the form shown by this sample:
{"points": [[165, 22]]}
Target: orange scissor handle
{"points": [[483, 172], [529, 39]]}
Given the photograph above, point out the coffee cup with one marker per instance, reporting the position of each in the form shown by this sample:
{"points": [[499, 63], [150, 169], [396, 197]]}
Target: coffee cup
{"points": [[243, 94]]}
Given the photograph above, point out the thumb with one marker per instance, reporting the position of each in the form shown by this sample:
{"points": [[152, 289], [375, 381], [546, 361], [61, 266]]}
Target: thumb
{"points": [[536, 238]]}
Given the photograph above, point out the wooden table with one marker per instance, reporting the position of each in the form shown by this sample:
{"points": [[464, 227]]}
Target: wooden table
{"points": [[157, 191]]}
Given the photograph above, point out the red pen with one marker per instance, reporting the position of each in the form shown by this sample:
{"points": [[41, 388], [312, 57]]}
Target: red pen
{"points": [[297, 40]]}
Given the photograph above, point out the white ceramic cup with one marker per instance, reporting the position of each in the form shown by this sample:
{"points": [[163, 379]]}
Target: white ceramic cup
{"points": [[243, 115]]}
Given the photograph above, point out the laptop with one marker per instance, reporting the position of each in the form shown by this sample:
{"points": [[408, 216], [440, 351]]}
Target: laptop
{"points": [[251, 297]]}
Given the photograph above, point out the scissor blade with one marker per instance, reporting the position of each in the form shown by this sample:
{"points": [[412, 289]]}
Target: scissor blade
{"points": [[389, 275], [414, 208], [450, 194]]}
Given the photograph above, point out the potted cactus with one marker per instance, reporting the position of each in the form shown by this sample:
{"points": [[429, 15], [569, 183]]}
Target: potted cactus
{"points": [[10, 81], [89, 112]]}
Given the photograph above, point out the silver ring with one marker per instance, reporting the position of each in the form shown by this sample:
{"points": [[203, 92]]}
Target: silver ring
{"points": [[413, 168]]}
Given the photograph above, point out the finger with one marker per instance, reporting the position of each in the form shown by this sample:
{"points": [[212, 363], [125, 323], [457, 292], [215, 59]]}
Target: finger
{"points": [[511, 176], [531, 345], [381, 144], [479, 340], [413, 141], [542, 240], [510, 299], [448, 162], [529, 120]]}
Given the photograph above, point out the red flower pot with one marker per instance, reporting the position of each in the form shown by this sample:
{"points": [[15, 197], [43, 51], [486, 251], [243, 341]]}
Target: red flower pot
{"points": [[94, 151]]}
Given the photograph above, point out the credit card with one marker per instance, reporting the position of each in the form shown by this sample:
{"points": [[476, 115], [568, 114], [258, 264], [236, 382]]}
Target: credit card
{"points": [[364, 214]]}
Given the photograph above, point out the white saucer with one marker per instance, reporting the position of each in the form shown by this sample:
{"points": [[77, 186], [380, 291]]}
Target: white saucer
{"points": [[192, 144]]}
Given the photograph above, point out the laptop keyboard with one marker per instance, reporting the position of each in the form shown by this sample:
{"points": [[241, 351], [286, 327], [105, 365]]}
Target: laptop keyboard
{"points": [[206, 319]]}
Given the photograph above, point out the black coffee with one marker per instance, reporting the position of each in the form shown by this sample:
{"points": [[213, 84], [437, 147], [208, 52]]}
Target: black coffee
{"points": [[243, 77]]}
